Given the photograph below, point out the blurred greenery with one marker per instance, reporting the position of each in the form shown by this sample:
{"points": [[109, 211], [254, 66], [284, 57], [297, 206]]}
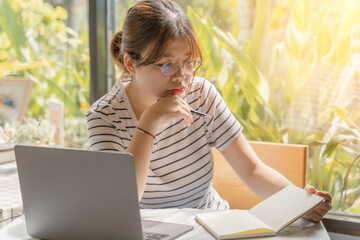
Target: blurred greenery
{"points": [[36, 43], [288, 70], [295, 80]]}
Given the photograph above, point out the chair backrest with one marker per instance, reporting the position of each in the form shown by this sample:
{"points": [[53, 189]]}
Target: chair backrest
{"points": [[288, 159]]}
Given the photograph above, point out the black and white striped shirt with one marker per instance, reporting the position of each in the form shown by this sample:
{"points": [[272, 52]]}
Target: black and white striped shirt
{"points": [[181, 166]]}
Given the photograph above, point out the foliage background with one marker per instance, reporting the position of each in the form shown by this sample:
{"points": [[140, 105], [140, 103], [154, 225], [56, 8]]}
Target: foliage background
{"points": [[294, 80], [288, 70], [36, 43]]}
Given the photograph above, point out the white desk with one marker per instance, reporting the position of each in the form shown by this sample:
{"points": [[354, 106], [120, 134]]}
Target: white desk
{"points": [[10, 197], [312, 231]]}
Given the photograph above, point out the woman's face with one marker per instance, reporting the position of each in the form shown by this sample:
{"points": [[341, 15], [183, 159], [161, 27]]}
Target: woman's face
{"points": [[150, 80]]}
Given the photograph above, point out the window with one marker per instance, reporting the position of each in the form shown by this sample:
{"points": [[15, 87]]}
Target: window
{"points": [[47, 42]]}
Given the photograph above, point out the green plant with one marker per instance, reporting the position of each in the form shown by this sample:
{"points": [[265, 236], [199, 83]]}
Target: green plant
{"points": [[36, 43], [297, 89]]}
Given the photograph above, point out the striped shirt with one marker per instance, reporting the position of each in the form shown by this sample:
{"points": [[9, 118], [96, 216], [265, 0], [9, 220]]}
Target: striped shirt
{"points": [[181, 165]]}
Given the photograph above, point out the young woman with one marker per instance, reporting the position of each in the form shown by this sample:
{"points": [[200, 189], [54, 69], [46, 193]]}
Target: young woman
{"points": [[149, 113]]}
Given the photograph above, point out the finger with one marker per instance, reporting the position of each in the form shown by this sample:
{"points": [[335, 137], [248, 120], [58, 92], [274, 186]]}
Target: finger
{"points": [[172, 100], [325, 206], [189, 119], [320, 211], [184, 112], [310, 189], [181, 107], [325, 195], [313, 216], [185, 106], [186, 122], [182, 100]]}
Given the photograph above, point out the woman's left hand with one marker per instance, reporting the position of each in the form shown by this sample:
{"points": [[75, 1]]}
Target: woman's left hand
{"points": [[318, 212]]}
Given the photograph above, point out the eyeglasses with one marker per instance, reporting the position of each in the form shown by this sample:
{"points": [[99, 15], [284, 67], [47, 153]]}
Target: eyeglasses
{"points": [[189, 67]]}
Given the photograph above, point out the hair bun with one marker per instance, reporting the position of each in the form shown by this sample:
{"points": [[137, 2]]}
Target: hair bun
{"points": [[115, 49]]}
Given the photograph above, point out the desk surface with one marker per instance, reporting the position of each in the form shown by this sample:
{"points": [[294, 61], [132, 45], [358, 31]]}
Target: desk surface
{"points": [[315, 231], [10, 197]]}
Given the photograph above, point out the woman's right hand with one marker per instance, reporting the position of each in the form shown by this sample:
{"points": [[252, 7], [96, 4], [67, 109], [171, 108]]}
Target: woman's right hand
{"points": [[168, 109]]}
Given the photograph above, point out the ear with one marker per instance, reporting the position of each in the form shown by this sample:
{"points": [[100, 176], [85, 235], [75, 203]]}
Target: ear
{"points": [[129, 64]]}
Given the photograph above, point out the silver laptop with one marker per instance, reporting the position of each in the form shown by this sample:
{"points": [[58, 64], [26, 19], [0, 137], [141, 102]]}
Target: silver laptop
{"points": [[79, 194]]}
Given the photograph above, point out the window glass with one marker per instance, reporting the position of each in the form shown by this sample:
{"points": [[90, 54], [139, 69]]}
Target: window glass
{"points": [[47, 42], [290, 73]]}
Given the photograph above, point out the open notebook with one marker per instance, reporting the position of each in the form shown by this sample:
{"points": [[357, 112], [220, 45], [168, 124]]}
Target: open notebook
{"points": [[265, 219]]}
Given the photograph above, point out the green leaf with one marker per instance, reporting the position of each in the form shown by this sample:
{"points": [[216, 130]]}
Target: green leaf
{"points": [[259, 45], [207, 42], [330, 148], [9, 23], [255, 81], [342, 113], [325, 44]]}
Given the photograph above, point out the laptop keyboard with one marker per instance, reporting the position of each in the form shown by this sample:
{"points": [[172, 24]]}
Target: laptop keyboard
{"points": [[153, 236]]}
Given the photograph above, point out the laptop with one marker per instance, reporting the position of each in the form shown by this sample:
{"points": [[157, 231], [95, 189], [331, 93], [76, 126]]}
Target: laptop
{"points": [[80, 194]]}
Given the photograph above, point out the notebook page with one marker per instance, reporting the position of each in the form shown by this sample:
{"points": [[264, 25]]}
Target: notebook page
{"points": [[285, 206], [222, 223]]}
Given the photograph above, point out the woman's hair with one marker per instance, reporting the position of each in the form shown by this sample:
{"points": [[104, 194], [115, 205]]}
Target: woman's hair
{"points": [[153, 25]]}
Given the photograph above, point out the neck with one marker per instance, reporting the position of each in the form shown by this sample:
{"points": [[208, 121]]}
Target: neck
{"points": [[139, 102]]}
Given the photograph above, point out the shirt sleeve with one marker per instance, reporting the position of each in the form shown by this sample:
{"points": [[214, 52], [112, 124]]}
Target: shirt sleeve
{"points": [[102, 135], [222, 128]]}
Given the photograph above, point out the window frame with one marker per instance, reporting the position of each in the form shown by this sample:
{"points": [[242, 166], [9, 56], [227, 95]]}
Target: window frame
{"points": [[338, 222], [101, 28]]}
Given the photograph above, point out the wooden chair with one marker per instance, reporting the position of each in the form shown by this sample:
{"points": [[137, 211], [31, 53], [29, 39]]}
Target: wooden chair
{"points": [[288, 159]]}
